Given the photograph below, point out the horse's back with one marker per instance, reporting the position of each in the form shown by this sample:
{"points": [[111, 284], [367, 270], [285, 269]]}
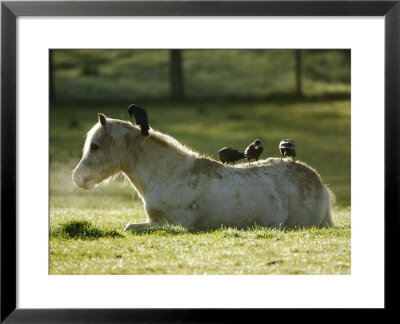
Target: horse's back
{"points": [[276, 193]]}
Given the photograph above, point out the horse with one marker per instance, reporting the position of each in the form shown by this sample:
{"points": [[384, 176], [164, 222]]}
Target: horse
{"points": [[179, 186]]}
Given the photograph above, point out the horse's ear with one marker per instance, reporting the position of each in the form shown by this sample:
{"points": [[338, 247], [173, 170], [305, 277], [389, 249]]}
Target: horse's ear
{"points": [[103, 121]]}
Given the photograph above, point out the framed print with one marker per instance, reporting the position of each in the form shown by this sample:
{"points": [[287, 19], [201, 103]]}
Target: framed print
{"points": [[308, 84]]}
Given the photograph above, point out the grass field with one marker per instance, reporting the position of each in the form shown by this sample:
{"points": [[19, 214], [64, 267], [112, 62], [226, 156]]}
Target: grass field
{"points": [[86, 226]]}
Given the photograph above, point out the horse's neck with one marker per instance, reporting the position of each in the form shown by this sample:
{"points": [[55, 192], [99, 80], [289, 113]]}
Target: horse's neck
{"points": [[150, 165]]}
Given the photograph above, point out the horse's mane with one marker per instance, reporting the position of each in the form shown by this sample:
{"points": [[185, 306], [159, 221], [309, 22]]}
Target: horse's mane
{"points": [[169, 141], [160, 138]]}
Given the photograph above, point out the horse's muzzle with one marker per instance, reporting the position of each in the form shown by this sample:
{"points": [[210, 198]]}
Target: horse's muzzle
{"points": [[82, 181]]}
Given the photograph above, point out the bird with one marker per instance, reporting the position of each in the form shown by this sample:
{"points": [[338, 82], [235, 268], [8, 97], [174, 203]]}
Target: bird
{"points": [[227, 155], [141, 118], [286, 147], [254, 150]]}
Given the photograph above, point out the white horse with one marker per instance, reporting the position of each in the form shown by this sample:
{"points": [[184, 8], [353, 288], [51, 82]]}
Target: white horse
{"points": [[179, 186]]}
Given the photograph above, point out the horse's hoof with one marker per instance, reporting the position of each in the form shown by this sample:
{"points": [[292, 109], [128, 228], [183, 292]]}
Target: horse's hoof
{"points": [[128, 227]]}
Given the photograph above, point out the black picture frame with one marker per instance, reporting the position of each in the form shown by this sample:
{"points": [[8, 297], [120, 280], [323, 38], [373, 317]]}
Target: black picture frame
{"points": [[10, 10]]}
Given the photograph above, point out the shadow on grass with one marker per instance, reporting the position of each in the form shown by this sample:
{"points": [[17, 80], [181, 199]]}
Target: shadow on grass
{"points": [[165, 230], [82, 230], [255, 230], [85, 230]]}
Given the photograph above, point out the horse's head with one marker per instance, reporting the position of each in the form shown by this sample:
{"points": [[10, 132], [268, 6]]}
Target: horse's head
{"points": [[100, 158]]}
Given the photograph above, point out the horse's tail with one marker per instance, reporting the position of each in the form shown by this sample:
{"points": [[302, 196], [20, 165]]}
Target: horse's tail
{"points": [[330, 200]]}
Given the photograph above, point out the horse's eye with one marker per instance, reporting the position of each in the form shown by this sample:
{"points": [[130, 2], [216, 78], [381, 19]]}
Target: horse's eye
{"points": [[94, 147]]}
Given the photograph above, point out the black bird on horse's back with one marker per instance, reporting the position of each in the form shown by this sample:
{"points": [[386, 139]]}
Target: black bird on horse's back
{"points": [[141, 118], [227, 155]]}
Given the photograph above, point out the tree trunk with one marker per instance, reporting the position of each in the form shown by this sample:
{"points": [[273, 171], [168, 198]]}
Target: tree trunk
{"points": [[176, 75], [298, 67]]}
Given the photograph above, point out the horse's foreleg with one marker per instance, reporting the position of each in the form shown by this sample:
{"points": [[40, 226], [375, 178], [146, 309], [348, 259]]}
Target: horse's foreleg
{"points": [[131, 226]]}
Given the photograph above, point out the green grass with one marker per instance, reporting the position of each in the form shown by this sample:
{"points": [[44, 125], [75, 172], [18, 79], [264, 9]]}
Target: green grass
{"points": [[90, 241], [86, 226]]}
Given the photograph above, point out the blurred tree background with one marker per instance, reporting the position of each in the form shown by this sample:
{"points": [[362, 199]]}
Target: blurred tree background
{"points": [[208, 99], [120, 76]]}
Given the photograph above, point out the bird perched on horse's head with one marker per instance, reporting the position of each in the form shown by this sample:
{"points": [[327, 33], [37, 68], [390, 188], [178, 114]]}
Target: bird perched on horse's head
{"points": [[227, 155], [286, 147], [141, 118], [254, 150]]}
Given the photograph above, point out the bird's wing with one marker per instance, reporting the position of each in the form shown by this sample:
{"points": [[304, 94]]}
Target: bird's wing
{"points": [[249, 150]]}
